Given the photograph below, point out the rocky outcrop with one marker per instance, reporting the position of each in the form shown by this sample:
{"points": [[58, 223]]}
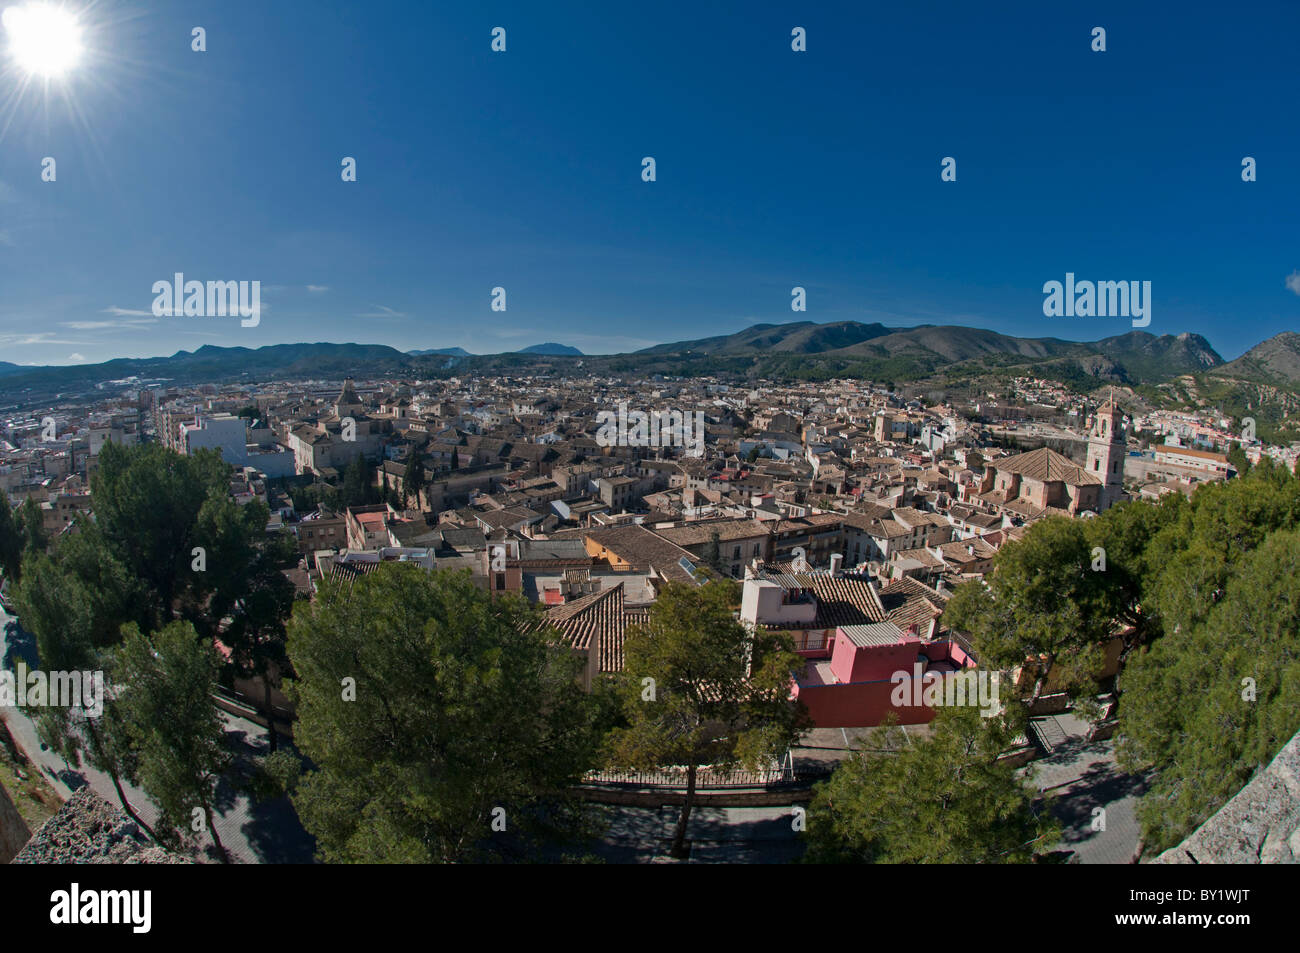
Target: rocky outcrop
{"points": [[14, 832], [89, 830], [1260, 825]]}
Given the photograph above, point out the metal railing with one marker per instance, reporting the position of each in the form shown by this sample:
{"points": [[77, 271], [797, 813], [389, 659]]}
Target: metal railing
{"points": [[706, 777]]}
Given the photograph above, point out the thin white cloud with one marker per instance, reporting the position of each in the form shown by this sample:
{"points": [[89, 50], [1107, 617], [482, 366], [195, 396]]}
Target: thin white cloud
{"points": [[130, 324], [74, 356], [383, 311], [127, 312], [1293, 282], [318, 289], [43, 337]]}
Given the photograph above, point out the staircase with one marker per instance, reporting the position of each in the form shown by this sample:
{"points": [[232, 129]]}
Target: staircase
{"points": [[1048, 732]]}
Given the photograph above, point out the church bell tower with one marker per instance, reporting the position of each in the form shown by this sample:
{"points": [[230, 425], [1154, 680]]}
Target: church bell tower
{"points": [[1107, 448]]}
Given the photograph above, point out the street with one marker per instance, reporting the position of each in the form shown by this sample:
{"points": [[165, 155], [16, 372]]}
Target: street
{"points": [[253, 833]]}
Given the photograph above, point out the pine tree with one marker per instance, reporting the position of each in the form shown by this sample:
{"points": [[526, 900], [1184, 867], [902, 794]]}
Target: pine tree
{"points": [[700, 689]]}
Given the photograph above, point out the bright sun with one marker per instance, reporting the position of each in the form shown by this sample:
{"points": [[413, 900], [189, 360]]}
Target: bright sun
{"points": [[44, 39]]}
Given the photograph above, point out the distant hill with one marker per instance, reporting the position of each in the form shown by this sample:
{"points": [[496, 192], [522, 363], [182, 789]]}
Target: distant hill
{"points": [[905, 353], [800, 337], [947, 356], [1145, 356], [211, 363], [552, 349], [1275, 361]]}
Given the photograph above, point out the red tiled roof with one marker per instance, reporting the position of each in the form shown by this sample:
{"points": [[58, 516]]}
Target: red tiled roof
{"points": [[598, 623], [845, 600], [909, 602], [1046, 465]]}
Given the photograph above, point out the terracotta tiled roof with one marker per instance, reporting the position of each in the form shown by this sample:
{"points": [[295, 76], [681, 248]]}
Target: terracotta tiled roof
{"points": [[693, 534], [922, 557], [1046, 465], [351, 571], [508, 517], [908, 602], [598, 623], [815, 521], [956, 551], [845, 600], [640, 547]]}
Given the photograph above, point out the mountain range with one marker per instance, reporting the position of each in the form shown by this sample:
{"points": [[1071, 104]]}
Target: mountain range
{"points": [[551, 348], [927, 349], [1275, 361], [548, 348], [798, 350], [452, 351]]}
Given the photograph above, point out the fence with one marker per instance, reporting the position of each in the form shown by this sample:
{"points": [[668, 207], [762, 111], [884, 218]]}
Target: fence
{"points": [[708, 777]]}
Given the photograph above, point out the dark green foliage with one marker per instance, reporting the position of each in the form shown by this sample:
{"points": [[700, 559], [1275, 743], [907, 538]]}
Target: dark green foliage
{"points": [[1206, 593], [425, 704], [147, 501], [719, 695], [946, 799], [163, 685], [11, 542], [414, 477]]}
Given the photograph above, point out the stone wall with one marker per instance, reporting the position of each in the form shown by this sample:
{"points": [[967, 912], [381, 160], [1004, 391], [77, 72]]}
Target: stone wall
{"points": [[89, 830], [1260, 825]]}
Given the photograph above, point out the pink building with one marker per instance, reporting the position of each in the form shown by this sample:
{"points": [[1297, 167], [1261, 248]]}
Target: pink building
{"points": [[858, 683], [838, 623]]}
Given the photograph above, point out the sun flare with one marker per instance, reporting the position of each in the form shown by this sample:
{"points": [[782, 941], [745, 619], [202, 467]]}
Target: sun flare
{"points": [[44, 40]]}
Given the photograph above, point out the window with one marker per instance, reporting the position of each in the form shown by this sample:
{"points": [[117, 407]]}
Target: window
{"points": [[501, 580], [1096, 464]]}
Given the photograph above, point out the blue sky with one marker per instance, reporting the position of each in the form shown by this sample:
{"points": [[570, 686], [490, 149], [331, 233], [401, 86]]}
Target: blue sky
{"points": [[522, 169]]}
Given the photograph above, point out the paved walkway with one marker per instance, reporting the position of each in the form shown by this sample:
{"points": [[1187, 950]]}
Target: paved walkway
{"points": [[718, 835], [1084, 778], [253, 833]]}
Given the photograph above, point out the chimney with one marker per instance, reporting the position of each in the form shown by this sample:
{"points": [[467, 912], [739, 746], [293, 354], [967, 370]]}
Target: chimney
{"points": [[970, 549], [837, 560]]}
